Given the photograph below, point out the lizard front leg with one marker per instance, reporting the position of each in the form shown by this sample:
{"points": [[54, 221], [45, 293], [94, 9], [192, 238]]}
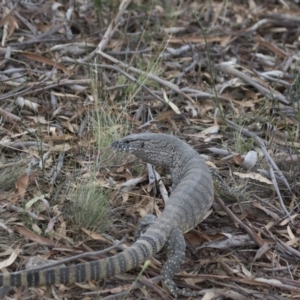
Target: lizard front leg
{"points": [[143, 225]]}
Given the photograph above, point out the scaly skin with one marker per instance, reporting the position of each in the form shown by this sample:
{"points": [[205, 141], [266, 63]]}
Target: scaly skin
{"points": [[189, 201]]}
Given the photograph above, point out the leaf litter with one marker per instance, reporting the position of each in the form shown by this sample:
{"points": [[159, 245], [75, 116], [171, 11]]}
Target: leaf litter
{"points": [[221, 75]]}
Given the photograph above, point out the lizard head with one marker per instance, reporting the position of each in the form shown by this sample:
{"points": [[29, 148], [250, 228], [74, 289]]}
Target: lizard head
{"points": [[157, 149]]}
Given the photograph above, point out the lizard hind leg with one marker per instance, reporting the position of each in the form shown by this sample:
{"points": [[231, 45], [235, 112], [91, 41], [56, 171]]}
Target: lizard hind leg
{"points": [[175, 257], [175, 247]]}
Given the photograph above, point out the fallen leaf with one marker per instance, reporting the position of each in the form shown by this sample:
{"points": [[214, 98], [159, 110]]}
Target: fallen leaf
{"points": [[36, 238], [7, 262], [21, 186], [171, 104], [254, 176]]}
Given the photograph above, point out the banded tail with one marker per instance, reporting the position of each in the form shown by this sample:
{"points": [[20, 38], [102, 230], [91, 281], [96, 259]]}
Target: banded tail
{"points": [[147, 245]]}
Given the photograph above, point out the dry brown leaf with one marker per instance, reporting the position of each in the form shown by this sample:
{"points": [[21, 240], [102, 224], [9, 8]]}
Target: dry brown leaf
{"points": [[246, 272], [171, 104], [9, 22], [291, 235], [190, 107], [51, 224], [238, 159], [288, 220], [211, 130], [45, 60], [229, 242], [267, 211], [261, 251], [254, 176], [21, 186], [95, 236], [21, 102], [34, 237], [7, 262], [63, 147]]}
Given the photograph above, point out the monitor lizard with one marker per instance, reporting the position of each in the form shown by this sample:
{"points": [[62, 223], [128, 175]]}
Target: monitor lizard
{"points": [[191, 198]]}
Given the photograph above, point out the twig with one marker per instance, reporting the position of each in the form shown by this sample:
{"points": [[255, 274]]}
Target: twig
{"points": [[112, 27], [278, 211], [58, 168], [147, 74], [258, 241], [141, 282], [269, 160], [9, 231], [263, 147], [23, 211], [225, 67], [162, 188], [34, 87], [133, 79], [79, 256], [7, 57], [9, 116], [285, 247], [278, 192]]}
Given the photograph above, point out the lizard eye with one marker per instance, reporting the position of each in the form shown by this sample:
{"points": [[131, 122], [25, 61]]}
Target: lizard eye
{"points": [[142, 145]]}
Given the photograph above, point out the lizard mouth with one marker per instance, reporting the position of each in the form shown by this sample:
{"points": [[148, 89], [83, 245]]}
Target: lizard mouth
{"points": [[118, 146]]}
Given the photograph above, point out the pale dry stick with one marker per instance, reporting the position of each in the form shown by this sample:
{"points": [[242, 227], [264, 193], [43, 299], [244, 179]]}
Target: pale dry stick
{"points": [[83, 125], [23, 211], [26, 86], [124, 294], [286, 247], [270, 78], [112, 27], [33, 29], [148, 75], [267, 174], [284, 17], [22, 145], [291, 282], [200, 94], [7, 57], [278, 211], [278, 192], [259, 242], [151, 175], [40, 37], [268, 159], [4, 227], [225, 67], [287, 63], [192, 65], [117, 244], [264, 281], [14, 164], [162, 188], [176, 52], [130, 52], [9, 116], [58, 168], [35, 87], [13, 70], [133, 79]]}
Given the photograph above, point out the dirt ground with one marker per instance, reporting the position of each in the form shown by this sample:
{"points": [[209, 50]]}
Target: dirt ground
{"points": [[221, 75]]}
